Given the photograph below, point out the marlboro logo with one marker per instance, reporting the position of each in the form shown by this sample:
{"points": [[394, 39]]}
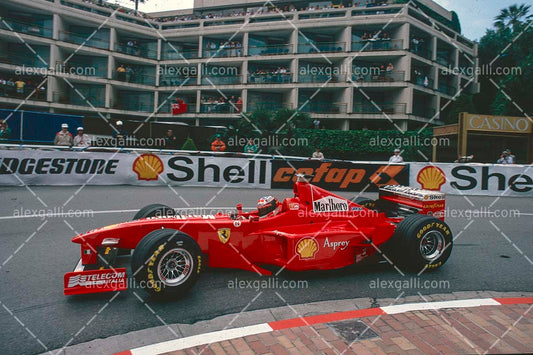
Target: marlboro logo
{"points": [[330, 204]]}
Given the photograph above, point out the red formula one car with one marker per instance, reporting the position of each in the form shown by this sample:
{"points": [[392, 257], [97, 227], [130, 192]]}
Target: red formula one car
{"points": [[313, 230]]}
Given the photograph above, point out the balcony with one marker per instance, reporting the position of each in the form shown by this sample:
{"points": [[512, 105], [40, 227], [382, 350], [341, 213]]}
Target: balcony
{"points": [[268, 106], [379, 108], [423, 80], [134, 78], [83, 39], [138, 51], [223, 52], [180, 54], [422, 52], [426, 112], [269, 78], [222, 80], [377, 45], [323, 107], [10, 91], [178, 81], [74, 98], [29, 60], [133, 105], [446, 89], [321, 78], [216, 107], [382, 77], [277, 49], [321, 47], [28, 28]]}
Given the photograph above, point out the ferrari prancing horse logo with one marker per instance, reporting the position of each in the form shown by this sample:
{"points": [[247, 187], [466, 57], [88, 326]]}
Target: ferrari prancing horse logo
{"points": [[224, 234]]}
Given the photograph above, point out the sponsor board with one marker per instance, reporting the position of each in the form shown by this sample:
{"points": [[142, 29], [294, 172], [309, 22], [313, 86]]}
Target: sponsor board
{"points": [[349, 176], [475, 179], [39, 167]]}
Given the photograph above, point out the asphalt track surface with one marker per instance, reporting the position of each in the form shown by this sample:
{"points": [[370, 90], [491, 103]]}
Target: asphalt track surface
{"points": [[491, 253]]}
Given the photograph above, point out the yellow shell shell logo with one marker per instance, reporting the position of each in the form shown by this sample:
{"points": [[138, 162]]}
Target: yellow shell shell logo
{"points": [[148, 167], [307, 248], [431, 178]]}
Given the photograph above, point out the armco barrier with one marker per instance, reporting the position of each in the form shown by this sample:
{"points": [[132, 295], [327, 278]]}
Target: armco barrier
{"points": [[48, 165]]}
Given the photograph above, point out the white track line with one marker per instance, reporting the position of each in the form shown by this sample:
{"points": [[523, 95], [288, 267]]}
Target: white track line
{"points": [[409, 307]]}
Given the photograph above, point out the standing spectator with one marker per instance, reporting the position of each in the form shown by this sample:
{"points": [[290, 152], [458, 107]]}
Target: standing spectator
{"points": [[119, 132], [63, 137], [396, 158], [318, 154], [81, 139], [171, 142], [316, 123], [238, 104], [121, 72], [5, 131], [128, 74], [218, 145], [251, 147], [19, 84], [511, 159], [503, 158]]}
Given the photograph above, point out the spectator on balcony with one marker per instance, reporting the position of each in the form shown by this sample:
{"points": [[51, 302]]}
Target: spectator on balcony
{"points": [[5, 131], [415, 41], [63, 137], [218, 145], [238, 104], [251, 147], [82, 139], [396, 158], [318, 154], [19, 85], [511, 159], [171, 142], [128, 74], [119, 132], [316, 123], [121, 72]]}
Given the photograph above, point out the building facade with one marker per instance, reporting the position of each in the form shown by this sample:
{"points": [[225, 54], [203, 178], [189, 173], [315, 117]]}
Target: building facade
{"points": [[352, 66]]}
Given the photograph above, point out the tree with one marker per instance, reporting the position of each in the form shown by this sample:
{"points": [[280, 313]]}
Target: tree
{"points": [[137, 4], [463, 103], [512, 17]]}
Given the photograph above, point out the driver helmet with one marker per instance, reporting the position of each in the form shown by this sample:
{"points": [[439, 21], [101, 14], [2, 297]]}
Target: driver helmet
{"points": [[267, 204]]}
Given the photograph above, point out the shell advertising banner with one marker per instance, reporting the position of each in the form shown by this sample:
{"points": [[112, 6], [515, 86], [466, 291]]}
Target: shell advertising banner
{"points": [[48, 167], [473, 179]]}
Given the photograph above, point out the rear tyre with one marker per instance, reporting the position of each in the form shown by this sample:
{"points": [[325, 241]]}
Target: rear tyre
{"points": [[420, 242], [155, 210], [167, 263]]}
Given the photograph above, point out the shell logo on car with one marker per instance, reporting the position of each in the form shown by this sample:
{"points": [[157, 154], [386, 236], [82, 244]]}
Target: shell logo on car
{"points": [[307, 248], [148, 167], [431, 178]]}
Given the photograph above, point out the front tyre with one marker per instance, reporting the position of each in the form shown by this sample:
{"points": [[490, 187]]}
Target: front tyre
{"points": [[167, 263], [422, 242], [154, 210]]}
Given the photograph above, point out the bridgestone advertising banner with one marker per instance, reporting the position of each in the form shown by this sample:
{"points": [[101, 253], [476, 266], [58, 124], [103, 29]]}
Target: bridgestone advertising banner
{"points": [[348, 176], [474, 179], [39, 167]]}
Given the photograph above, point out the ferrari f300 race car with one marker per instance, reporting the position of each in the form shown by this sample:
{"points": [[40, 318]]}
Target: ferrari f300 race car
{"points": [[314, 230]]}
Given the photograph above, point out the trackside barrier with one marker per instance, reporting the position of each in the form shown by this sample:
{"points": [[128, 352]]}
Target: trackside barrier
{"points": [[51, 165]]}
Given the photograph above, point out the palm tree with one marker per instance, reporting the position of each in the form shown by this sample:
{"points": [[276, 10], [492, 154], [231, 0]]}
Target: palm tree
{"points": [[137, 4], [512, 17]]}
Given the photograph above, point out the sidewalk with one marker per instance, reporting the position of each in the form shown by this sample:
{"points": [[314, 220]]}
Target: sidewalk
{"points": [[456, 323]]}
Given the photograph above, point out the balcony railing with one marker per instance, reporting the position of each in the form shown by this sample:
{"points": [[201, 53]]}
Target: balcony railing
{"points": [[222, 80], [11, 92], [176, 81], [268, 106], [29, 28], [278, 49], [137, 51], [76, 99], [425, 112], [270, 78], [422, 52], [321, 47], [446, 89], [223, 52], [322, 107], [381, 77], [133, 104], [443, 60], [191, 106], [423, 80], [29, 60], [134, 78], [83, 39], [377, 45], [386, 108], [321, 78], [219, 107], [178, 54]]}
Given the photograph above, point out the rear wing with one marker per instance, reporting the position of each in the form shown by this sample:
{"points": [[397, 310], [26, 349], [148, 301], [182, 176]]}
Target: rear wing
{"points": [[414, 200]]}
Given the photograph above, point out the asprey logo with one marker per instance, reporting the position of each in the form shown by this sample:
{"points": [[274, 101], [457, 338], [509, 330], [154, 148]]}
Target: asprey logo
{"points": [[431, 178], [94, 279], [148, 167], [330, 204]]}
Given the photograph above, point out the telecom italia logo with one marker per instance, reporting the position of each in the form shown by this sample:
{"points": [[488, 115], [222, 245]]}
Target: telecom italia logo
{"points": [[330, 204], [95, 279]]}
